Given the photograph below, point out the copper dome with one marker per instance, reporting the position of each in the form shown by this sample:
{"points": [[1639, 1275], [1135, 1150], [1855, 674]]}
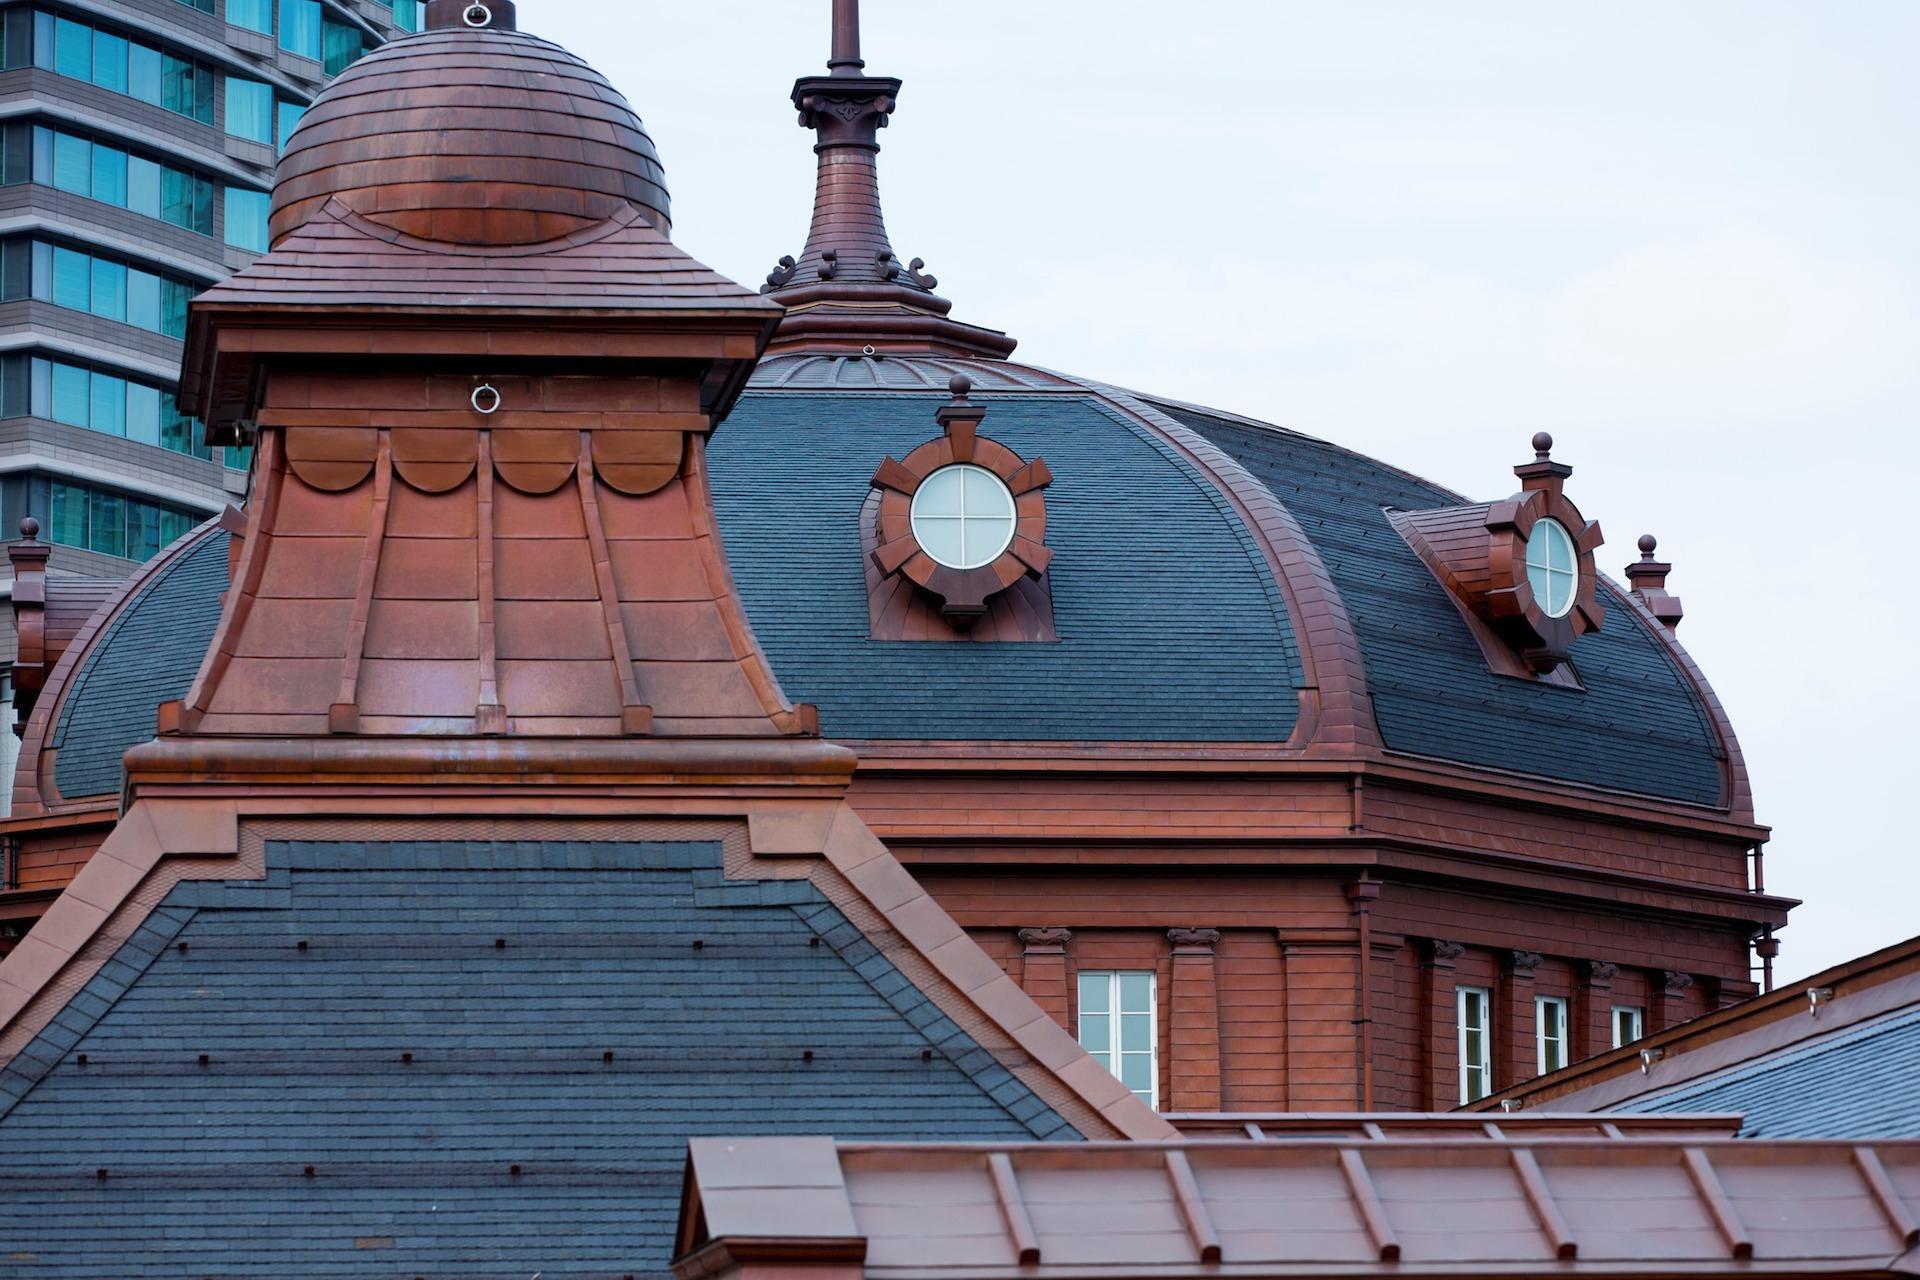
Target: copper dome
{"points": [[474, 136]]}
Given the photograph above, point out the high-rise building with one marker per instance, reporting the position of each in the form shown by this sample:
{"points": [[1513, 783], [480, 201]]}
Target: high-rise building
{"points": [[137, 145]]}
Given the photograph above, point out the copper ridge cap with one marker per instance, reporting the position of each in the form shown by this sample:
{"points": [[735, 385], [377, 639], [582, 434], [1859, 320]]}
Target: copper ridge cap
{"points": [[848, 289]]}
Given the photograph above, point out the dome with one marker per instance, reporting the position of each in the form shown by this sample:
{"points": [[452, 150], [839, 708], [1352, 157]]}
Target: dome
{"points": [[471, 135]]}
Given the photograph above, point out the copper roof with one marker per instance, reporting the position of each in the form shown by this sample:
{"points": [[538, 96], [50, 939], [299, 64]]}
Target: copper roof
{"points": [[1320, 1207], [478, 136]]}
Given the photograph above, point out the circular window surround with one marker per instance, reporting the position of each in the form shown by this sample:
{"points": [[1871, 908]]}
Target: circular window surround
{"points": [[1553, 568], [1509, 601], [962, 586]]}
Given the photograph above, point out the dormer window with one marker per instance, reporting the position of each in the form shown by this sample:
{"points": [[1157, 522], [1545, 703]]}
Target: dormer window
{"points": [[1553, 568], [1521, 571], [963, 519], [963, 516]]}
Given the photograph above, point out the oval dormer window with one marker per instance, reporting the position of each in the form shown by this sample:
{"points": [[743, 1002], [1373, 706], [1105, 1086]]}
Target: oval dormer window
{"points": [[963, 516], [1553, 568]]}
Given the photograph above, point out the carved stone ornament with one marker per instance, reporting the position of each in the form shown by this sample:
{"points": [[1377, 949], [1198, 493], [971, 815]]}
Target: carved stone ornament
{"points": [[963, 593], [1194, 939], [1045, 939], [1446, 953], [1523, 963], [1678, 982], [1601, 972]]}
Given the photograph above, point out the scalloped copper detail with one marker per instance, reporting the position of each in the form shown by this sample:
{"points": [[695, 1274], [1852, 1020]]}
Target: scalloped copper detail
{"points": [[638, 463], [435, 461], [332, 459], [536, 462]]}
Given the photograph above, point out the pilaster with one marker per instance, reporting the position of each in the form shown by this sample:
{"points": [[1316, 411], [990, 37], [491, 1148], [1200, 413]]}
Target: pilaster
{"points": [[1192, 1060]]}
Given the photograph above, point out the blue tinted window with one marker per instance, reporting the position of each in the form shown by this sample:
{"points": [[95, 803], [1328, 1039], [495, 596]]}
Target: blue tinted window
{"points": [[107, 411], [250, 109], [107, 522], [247, 218], [143, 300], [109, 175], [143, 413], [290, 116], [67, 523], [109, 290], [110, 61], [72, 164], [73, 49], [300, 28], [146, 79], [143, 186], [72, 279], [254, 15], [72, 394]]}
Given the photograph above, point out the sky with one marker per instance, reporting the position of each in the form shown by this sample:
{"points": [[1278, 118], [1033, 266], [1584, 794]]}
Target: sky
{"points": [[1682, 237]]}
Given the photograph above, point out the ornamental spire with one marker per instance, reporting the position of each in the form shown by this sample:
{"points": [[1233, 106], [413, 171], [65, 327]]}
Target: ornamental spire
{"points": [[848, 289]]}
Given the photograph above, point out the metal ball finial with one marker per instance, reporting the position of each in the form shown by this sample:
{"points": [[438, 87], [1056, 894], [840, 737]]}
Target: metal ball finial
{"points": [[1648, 545], [960, 384], [1542, 446], [30, 528]]}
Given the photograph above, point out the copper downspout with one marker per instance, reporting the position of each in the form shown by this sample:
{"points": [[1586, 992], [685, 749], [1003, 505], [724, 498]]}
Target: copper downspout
{"points": [[1362, 894]]}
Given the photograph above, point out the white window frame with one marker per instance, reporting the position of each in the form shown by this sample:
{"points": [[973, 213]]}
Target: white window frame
{"points": [[1469, 1068], [1639, 1017], [1550, 1032], [1110, 1055]]}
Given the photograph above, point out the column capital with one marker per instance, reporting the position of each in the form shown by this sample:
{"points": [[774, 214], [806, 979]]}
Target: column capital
{"points": [[1045, 939], [1599, 973], [1443, 955], [1677, 982], [1193, 939]]}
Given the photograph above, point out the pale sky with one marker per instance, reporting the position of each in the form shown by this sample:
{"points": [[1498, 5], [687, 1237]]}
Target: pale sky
{"points": [[1681, 236]]}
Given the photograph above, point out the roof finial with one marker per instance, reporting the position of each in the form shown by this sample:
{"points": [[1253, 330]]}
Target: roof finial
{"points": [[474, 15], [846, 60], [848, 289]]}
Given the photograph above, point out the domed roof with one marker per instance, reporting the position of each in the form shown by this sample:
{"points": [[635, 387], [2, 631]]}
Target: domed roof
{"points": [[471, 135], [1218, 581]]}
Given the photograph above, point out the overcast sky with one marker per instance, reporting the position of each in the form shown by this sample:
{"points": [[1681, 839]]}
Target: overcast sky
{"points": [[1683, 237]]}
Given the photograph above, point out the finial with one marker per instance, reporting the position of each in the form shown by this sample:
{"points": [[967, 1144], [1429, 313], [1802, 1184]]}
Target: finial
{"points": [[1542, 447], [1649, 579], [960, 384], [846, 60], [30, 528]]}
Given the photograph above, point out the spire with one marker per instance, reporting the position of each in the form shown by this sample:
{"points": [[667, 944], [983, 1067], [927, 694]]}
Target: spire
{"points": [[848, 289]]}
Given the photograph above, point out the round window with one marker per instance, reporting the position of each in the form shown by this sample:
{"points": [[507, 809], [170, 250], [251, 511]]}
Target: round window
{"points": [[1553, 569], [963, 516]]}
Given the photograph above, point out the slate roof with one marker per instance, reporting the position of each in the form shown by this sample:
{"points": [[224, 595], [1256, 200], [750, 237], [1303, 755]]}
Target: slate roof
{"points": [[1171, 628], [147, 655], [1862, 1082], [413, 1161], [1637, 726]]}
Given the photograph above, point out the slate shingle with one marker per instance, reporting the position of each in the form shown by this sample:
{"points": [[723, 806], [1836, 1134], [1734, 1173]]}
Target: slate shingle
{"points": [[1637, 726], [206, 1164], [1863, 1082], [147, 656], [1171, 628]]}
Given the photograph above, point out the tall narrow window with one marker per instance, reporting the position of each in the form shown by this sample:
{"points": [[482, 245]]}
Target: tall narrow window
{"points": [[1117, 1028], [1475, 1011], [1629, 1024], [254, 15], [1550, 1032], [247, 218]]}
